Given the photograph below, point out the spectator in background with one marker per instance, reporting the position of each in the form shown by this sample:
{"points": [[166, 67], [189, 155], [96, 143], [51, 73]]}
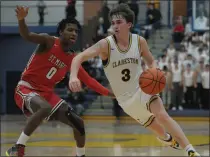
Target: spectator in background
{"points": [[154, 18], [197, 81], [182, 55], [178, 32], [77, 100], [71, 9], [105, 16], [205, 38], [206, 51], [201, 22], [96, 65], [201, 54], [177, 85], [188, 27], [166, 94], [189, 60], [110, 31], [206, 87], [202, 10], [100, 30], [171, 51], [192, 48], [163, 62], [188, 87], [41, 11], [135, 8]]}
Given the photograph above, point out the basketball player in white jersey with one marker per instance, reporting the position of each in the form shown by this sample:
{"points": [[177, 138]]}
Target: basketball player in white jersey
{"points": [[121, 55]]}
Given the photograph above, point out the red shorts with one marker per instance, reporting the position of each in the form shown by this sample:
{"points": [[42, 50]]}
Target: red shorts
{"points": [[23, 95]]}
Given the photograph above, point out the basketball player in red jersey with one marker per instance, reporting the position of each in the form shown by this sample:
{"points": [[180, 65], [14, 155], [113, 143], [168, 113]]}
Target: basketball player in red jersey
{"points": [[48, 66]]}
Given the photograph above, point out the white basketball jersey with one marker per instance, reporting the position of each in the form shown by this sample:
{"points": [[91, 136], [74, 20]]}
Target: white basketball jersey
{"points": [[123, 68]]}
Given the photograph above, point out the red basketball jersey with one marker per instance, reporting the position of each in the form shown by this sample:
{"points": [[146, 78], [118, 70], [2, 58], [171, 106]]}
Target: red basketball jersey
{"points": [[44, 71]]}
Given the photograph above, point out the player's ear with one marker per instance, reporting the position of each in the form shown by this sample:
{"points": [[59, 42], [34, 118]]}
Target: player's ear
{"points": [[130, 25]]}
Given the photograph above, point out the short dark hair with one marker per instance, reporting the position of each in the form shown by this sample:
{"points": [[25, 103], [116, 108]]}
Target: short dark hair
{"points": [[62, 24], [163, 56], [165, 68], [125, 11]]}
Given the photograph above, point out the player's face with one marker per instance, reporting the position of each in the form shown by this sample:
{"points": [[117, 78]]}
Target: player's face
{"points": [[120, 25], [188, 68], [70, 33]]}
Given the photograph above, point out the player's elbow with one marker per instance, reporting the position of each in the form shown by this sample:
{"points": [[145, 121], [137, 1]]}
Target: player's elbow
{"points": [[25, 36]]}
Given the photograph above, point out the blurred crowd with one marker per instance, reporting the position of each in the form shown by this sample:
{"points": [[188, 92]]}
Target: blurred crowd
{"points": [[186, 63]]}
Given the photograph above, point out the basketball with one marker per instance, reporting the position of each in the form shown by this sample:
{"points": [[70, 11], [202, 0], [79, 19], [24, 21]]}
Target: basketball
{"points": [[152, 81]]}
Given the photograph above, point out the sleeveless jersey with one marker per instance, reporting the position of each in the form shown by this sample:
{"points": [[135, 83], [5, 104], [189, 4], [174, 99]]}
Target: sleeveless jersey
{"points": [[123, 68], [44, 71]]}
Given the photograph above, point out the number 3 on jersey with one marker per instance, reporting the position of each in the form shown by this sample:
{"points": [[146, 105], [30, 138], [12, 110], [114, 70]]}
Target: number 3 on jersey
{"points": [[126, 75], [51, 73]]}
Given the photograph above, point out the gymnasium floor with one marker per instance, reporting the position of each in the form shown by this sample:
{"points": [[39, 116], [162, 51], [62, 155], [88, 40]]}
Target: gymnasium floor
{"points": [[104, 138]]}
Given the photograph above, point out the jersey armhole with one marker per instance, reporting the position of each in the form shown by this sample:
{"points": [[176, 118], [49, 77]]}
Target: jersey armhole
{"points": [[106, 62]]}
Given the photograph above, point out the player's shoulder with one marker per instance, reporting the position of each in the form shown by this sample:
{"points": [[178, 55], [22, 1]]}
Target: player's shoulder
{"points": [[141, 38], [50, 39], [46, 35], [104, 43]]}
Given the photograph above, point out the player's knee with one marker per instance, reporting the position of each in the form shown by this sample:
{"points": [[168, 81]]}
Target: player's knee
{"points": [[82, 130], [76, 121], [162, 117]]}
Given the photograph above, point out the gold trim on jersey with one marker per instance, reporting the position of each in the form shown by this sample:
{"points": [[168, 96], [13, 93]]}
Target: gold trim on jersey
{"points": [[139, 44], [149, 121], [109, 51], [154, 97], [129, 46]]}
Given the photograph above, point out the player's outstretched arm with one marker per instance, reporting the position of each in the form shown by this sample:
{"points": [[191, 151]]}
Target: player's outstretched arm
{"points": [[100, 48], [93, 84], [21, 13], [146, 54]]}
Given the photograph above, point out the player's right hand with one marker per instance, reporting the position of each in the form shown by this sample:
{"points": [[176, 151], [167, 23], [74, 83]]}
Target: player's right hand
{"points": [[22, 12], [75, 85]]}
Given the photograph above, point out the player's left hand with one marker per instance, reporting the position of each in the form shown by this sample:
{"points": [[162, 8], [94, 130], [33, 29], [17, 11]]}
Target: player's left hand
{"points": [[22, 12], [75, 85]]}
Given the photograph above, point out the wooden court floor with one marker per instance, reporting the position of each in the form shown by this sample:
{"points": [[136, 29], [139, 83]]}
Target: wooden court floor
{"points": [[104, 138]]}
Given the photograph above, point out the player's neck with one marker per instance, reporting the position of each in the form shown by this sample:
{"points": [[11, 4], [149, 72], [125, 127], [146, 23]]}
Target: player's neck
{"points": [[66, 47], [123, 39]]}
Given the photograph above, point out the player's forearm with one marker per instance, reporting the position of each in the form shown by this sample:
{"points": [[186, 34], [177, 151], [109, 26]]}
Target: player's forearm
{"points": [[91, 82], [23, 29], [96, 86], [75, 65], [151, 64]]}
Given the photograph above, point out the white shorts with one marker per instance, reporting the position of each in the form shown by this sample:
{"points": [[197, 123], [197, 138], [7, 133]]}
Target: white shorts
{"points": [[138, 107]]}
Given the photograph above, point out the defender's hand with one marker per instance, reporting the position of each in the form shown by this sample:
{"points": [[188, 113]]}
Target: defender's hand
{"points": [[22, 12], [75, 85]]}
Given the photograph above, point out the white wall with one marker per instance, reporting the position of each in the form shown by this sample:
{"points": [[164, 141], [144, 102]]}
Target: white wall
{"points": [[55, 9]]}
